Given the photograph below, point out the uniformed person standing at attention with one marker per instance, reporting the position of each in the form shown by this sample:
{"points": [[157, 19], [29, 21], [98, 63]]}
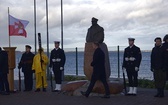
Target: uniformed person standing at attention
{"points": [[57, 62], [131, 62], [26, 65], [157, 57], [39, 66]]}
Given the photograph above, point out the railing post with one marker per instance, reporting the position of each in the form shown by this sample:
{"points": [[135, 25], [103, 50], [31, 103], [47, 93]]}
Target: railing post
{"points": [[118, 50], [76, 61]]}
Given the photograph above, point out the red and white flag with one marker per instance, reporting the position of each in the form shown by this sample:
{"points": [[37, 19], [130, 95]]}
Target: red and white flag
{"points": [[17, 26]]}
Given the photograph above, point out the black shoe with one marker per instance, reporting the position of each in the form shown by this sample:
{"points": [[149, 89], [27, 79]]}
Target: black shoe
{"points": [[37, 90], [25, 90], [55, 91], [44, 90], [5, 93], [106, 96], [161, 96], [84, 94], [29, 90], [157, 95]]}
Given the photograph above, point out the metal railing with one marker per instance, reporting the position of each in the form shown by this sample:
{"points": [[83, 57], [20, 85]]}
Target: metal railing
{"points": [[75, 62]]}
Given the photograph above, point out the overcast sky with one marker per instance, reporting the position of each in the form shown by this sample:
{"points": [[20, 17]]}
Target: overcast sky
{"points": [[141, 19]]}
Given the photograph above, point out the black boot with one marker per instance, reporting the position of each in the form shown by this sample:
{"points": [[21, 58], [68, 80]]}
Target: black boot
{"points": [[106, 96], [158, 93], [44, 90], [37, 90], [84, 94], [5, 93]]}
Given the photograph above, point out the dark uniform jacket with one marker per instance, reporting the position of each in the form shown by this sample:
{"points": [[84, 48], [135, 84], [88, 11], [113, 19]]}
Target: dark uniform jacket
{"points": [[132, 52], [165, 54], [4, 62], [57, 54], [98, 63], [26, 62], [157, 58]]}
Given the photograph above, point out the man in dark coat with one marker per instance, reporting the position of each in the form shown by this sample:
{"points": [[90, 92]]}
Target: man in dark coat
{"points": [[98, 65], [157, 67], [131, 62], [57, 62], [4, 70], [165, 52], [26, 65]]}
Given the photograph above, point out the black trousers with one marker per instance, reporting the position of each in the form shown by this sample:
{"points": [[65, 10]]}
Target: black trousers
{"points": [[93, 81], [160, 78], [132, 78], [28, 80], [4, 85], [58, 76]]}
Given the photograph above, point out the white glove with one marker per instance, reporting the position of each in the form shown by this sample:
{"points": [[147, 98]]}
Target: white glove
{"points": [[61, 68], [50, 69], [136, 69], [132, 59], [126, 59], [53, 60], [124, 69], [58, 60]]}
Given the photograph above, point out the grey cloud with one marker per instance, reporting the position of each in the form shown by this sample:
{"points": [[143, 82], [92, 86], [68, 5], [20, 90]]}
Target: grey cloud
{"points": [[121, 19]]}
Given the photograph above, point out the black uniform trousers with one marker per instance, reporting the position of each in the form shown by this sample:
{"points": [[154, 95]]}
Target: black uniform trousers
{"points": [[93, 81], [28, 80], [58, 76], [4, 84], [132, 77]]}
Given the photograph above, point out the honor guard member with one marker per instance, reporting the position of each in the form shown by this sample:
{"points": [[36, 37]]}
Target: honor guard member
{"points": [[26, 65], [57, 61], [157, 57], [39, 66], [4, 70], [131, 62]]}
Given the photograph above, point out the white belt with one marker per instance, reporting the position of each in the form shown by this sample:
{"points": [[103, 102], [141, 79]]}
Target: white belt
{"points": [[56, 60], [130, 59]]}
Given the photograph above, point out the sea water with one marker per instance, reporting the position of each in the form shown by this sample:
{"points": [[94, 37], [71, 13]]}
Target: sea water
{"points": [[70, 65]]}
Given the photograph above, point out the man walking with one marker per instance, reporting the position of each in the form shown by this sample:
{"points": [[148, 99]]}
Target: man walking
{"points": [[4, 70], [157, 67], [131, 62], [99, 73], [57, 62], [26, 65]]}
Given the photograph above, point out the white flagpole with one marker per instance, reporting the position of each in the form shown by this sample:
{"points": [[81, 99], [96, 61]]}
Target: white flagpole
{"points": [[9, 29], [47, 35]]}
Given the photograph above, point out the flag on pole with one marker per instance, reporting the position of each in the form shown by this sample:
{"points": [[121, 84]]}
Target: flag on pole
{"points": [[17, 26]]}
